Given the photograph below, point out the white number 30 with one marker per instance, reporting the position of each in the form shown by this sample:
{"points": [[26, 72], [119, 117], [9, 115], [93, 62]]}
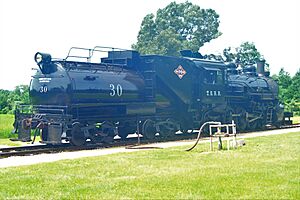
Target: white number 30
{"points": [[115, 90], [43, 89]]}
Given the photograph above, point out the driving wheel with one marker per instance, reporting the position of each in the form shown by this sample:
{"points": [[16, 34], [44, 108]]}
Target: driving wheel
{"points": [[241, 119], [149, 129], [77, 136], [168, 128]]}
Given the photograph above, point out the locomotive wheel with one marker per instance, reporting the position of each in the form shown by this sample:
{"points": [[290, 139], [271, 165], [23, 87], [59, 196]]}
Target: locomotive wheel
{"points": [[108, 132], [256, 125], [241, 124], [77, 136], [125, 130], [253, 125], [260, 125], [122, 134], [241, 121], [149, 129], [168, 129]]}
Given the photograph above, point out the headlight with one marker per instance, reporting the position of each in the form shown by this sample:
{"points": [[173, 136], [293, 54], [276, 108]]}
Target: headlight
{"points": [[42, 58], [38, 58]]}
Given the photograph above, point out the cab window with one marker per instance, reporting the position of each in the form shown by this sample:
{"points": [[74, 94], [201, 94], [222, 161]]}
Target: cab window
{"points": [[220, 77], [213, 77]]}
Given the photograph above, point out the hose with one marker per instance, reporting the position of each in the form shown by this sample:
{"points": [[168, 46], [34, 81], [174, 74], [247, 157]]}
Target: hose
{"points": [[200, 131]]}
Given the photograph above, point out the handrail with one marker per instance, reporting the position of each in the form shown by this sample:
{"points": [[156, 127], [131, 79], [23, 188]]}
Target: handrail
{"points": [[91, 51], [94, 66], [79, 48]]}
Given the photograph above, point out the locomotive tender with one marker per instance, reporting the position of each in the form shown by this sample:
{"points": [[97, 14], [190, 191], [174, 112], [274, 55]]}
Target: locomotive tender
{"points": [[125, 92]]}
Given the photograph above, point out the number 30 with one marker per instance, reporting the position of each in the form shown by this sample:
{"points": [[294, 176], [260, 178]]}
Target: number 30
{"points": [[43, 89], [115, 90]]}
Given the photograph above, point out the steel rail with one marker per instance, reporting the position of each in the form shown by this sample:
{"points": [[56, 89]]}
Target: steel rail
{"points": [[128, 143]]}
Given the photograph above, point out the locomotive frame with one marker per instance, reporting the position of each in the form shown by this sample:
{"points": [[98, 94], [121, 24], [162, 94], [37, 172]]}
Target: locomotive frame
{"points": [[126, 92]]}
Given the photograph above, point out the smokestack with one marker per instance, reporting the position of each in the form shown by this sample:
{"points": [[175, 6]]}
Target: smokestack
{"points": [[260, 67]]}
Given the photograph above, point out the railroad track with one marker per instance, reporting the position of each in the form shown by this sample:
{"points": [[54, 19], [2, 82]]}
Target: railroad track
{"points": [[291, 126], [66, 147], [30, 150], [41, 148]]}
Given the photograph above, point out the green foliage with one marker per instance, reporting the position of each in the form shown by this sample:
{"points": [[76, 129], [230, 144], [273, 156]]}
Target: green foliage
{"points": [[284, 81], [8, 99], [177, 27], [289, 90], [4, 104], [245, 54], [295, 86], [229, 55], [266, 168]]}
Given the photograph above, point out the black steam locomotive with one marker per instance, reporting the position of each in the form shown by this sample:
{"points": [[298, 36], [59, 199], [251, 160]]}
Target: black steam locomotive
{"points": [[124, 92]]}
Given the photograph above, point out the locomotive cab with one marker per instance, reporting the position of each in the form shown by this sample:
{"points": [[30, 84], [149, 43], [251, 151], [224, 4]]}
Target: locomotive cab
{"points": [[211, 98], [213, 85]]}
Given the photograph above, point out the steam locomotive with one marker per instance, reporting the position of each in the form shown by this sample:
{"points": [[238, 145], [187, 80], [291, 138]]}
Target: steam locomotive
{"points": [[123, 92]]}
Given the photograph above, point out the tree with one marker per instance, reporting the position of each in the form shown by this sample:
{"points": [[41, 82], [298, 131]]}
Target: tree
{"points": [[4, 105], [177, 27], [245, 54], [295, 86], [284, 79], [295, 90], [229, 55], [8, 98], [284, 82], [289, 92]]}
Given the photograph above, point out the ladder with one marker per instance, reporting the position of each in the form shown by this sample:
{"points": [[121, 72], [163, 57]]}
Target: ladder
{"points": [[269, 115], [149, 77]]}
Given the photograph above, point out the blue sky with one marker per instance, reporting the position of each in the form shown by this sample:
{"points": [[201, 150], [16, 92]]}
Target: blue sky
{"points": [[53, 26]]}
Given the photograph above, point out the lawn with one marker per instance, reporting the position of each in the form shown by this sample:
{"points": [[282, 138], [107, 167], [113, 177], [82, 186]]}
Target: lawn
{"points": [[6, 125], [296, 119], [266, 168]]}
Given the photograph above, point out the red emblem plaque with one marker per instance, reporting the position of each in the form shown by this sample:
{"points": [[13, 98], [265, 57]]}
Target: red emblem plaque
{"points": [[179, 71]]}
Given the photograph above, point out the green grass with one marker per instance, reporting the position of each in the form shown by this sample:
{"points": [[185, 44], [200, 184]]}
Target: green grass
{"points": [[266, 168], [8, 142], [296, 119], [6, 125]]}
